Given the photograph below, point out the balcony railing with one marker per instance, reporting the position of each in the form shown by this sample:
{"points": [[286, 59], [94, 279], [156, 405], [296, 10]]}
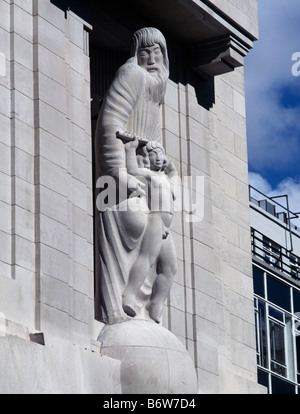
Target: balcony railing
{"points": [[274, 255], [270, 205]]}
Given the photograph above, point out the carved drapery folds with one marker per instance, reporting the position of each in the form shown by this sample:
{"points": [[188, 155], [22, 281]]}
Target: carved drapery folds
{"points": [[135, 254]]}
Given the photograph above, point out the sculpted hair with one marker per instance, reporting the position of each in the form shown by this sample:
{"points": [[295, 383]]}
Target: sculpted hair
{"points": [[150, 146]]}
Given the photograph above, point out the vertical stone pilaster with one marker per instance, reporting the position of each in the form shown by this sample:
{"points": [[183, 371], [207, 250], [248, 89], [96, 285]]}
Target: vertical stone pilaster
{"points": [[46, 229], [64, 166], [17, 175]]}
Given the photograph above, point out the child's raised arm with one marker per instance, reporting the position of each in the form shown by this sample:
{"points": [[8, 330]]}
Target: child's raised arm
{"points": [[131, 160]]}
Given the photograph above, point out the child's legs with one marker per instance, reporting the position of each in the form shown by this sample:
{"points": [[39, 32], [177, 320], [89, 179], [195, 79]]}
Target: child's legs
{"points": [[166, 270]]}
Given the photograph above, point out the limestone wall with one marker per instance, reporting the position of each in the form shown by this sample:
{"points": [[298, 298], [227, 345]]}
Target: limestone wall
{"points": [[46, 222], [244, 13], [46, 226]]}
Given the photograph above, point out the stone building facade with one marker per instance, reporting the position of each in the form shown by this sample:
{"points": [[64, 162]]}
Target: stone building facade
{"points": [[57, 59]]}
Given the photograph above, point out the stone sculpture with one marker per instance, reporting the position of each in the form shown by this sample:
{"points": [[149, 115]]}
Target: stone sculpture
{"points": [[135, 251], [137, 258]]}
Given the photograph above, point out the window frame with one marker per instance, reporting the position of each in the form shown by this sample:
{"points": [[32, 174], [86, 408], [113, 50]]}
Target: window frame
{"points": [[290, 332]]}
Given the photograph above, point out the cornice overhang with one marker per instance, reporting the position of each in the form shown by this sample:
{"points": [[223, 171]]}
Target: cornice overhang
{"points": [[214, 34], [215, 41]]}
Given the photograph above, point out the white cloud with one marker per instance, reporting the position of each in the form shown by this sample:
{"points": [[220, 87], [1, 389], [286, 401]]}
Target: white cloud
{"points": [[291, 187], [260, 183], [273, 129]]}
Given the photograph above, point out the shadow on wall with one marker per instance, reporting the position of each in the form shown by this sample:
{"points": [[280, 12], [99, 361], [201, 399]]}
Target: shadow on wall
{"points": [[205, 90], [181, 72], [180, 67], [79, 7]]}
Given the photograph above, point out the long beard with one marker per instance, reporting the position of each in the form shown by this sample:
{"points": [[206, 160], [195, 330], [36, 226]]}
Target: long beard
{"points": [[155, 87]]}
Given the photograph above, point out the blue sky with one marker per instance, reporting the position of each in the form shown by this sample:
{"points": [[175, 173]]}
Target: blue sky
{"points": [[273, 101]]}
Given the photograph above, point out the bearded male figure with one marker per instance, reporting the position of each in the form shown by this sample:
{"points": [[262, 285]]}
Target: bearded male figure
{"points": [[132, 104]]}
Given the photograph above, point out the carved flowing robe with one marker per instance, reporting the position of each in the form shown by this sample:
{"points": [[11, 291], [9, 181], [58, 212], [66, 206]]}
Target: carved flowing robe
{"points": [[128, 106]]}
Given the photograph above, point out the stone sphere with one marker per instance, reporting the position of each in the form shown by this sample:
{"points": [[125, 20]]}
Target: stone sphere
{"points": [[153, 360]]}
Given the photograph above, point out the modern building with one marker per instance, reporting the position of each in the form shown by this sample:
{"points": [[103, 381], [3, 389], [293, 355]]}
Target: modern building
{"points": [[57, 59], [276, 277]]}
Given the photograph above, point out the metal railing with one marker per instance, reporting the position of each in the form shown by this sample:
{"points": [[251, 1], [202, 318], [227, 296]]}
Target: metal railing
{"points": [[282, 212], [274, 255]]}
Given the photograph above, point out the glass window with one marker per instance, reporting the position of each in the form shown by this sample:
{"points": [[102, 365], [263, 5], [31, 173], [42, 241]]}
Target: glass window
{"points": [[277, 320], [275, 313], [298, 357], [289, 347], [258, 281], [280, 386], [261, 334], [295, 266], [272, 252], [263, 378], [278, 293], [277, 348], [296, 299]]}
